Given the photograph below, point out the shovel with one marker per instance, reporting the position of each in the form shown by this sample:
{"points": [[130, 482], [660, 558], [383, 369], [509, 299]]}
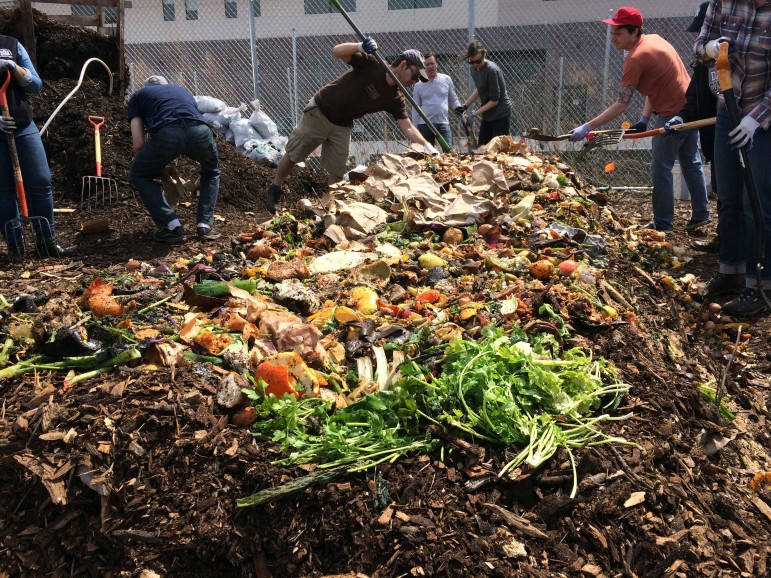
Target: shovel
{"points": [[98, 190], [13, 233], [535, 134], [598, 140], [398, 83]]}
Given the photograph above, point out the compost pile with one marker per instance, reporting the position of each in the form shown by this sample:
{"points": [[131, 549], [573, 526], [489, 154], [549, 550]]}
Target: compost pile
{"points": [[128, 445]]}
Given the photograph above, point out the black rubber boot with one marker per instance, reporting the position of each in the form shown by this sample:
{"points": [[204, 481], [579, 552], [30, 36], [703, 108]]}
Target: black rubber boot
{"points": [[272, 196], [16, 253], [50, 248]]}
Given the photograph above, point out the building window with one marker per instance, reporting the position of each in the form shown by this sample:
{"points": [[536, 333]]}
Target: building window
{"points": [[412, 4], [326, 7], [256, 8], [168, 10], [110, 12], [191, 9], [231, 9]]}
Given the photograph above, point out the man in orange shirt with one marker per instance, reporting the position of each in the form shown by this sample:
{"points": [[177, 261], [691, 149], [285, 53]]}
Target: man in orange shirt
{"points": [[653, 68]]}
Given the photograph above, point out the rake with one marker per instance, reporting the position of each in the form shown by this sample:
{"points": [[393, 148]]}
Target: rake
{"points": [[97, 190], [13, 229]]}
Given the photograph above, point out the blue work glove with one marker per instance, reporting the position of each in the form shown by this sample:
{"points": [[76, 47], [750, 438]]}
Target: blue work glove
{"points": [[459, 110], [580, 132], [742, 135], [368, 46], [641, 126], [671, 123], [712, 48], [7, 124]]}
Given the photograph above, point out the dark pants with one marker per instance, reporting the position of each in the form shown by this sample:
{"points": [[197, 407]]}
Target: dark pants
{"points": [[183, 138], [37, 186], [492, 128], [444, 130]]}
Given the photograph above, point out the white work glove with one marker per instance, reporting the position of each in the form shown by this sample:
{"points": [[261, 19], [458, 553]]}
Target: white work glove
{"points": [[712, 48], [742, 135], [368, 46], [430, 149], [580, 132]]}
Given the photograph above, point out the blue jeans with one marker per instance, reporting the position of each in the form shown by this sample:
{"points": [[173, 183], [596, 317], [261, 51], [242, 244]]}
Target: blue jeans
{"points": [[188, 138], [735, 224], [683, 146], [37, 186], [444, 130]]}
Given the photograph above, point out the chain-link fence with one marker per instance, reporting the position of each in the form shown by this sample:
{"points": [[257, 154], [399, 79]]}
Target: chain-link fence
{"points": [[556, 56]]}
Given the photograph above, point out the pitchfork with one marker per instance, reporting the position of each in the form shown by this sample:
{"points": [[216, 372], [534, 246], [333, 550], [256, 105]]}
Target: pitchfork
{"points": [[612, 137], [13, 228], [98, 189]]}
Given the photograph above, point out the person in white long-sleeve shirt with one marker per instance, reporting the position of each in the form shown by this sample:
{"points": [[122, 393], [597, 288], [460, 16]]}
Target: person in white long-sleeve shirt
{"points": [[435, 98]]}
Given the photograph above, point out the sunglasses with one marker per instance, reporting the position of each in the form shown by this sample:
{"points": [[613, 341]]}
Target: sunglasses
{"points": [[415, 74], [479, 61]]}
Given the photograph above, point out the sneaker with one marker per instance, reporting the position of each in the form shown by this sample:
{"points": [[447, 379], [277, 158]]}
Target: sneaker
{"points": [[694, 224], [652, 226], [749, 302], [272, 195], [712, 246], [207, 234], [164, 235], [725, 284]]}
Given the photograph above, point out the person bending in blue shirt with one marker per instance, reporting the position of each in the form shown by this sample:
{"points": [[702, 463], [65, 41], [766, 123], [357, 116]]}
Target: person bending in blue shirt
{"points": [[177, 128]]}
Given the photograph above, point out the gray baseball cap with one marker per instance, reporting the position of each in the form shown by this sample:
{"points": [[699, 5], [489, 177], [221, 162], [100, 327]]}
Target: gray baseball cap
{"points": [[414, 57], [155, 79]]}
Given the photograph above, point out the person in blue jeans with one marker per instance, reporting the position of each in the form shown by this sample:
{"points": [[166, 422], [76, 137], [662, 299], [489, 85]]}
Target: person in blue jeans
{"points": [[744, 25], [435, 98], [653, 68], [170, 115], [36, 175]]}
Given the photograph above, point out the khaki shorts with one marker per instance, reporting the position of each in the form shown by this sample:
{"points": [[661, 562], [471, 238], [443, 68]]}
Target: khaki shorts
{"points": [[315, 129]]}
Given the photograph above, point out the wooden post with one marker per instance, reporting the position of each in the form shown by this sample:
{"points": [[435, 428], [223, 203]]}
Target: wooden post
{"points": [[121, 19], [28, 30]]}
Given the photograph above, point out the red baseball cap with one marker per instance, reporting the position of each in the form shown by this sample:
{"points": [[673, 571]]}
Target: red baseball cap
{"points": [[626, 15]]}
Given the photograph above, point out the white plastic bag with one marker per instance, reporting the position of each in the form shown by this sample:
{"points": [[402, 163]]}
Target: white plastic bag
{"points": [[213, 118], [242, 131], [209, 104], [228, 136], [261, 122], [262, 151]]}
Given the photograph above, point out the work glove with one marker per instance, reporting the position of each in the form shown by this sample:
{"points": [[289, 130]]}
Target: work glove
{"points": [[669, 126], [459, 110], [6, 64], [430, 149], [580, 132], [368, 46], [7, 124], [641, 126], [742, 135], [712, 48]]}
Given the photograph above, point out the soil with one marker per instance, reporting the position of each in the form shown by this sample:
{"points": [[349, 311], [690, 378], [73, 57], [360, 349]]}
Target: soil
{"points": [[156, 466]]}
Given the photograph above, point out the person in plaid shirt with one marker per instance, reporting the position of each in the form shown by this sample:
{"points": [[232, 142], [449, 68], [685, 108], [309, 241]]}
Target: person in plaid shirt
{"points": [[746, 26]]}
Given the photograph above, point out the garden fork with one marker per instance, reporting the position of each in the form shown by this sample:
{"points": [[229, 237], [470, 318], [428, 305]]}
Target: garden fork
{"points": [[97, 190]]}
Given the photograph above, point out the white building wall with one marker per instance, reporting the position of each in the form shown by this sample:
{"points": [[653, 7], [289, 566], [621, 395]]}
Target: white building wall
{"points": [[144, 20]]}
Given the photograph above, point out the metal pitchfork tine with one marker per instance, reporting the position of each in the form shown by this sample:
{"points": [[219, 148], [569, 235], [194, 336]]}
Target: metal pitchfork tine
{"points": [[98, 190], [13, 228], [602, 139]]}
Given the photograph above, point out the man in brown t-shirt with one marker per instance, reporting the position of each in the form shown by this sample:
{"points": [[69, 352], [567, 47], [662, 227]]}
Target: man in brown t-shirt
{"points": [[328, 117]]}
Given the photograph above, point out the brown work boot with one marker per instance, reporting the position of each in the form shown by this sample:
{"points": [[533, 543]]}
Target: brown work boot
{"points": [[711, 246]]}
